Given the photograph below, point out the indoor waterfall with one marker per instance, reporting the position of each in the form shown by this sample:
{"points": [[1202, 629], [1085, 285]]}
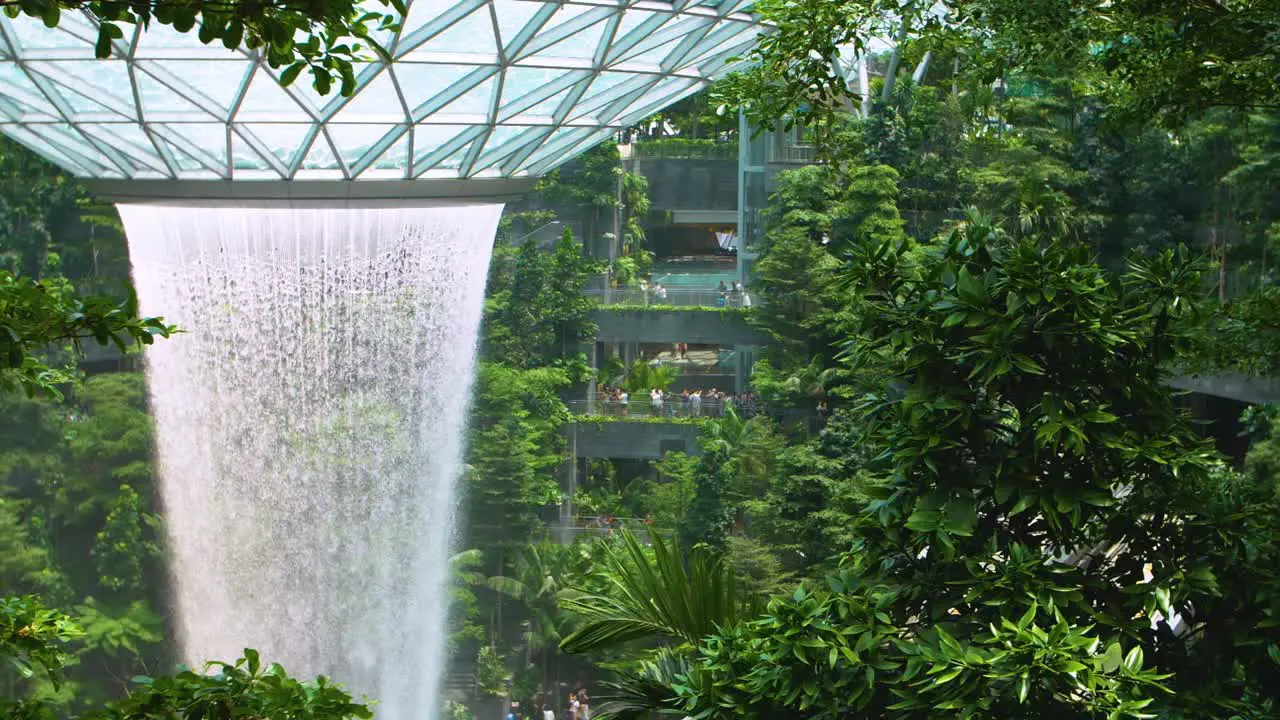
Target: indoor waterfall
{"points": [[309, 430]]}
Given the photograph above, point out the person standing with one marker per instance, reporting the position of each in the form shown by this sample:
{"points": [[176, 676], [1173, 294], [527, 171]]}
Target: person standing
{"points": [[655, 399], [695, 403], [573, 706], [584, 709], [547, 712], [623, 400]]}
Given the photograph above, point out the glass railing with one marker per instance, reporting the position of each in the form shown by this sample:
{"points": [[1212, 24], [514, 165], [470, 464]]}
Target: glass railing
{"points": [[682, 149], [673, 297]]}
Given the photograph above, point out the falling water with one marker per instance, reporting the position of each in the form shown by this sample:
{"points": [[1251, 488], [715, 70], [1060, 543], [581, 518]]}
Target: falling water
{"points": [[309, 429]]}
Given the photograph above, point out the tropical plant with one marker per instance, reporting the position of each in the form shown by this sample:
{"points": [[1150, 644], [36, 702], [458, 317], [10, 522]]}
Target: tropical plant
{"points": [[645, 376], [653, 593]]}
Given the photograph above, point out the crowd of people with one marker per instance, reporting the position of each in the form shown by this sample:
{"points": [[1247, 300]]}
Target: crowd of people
{"points": [[577, 707], [661, 403]]}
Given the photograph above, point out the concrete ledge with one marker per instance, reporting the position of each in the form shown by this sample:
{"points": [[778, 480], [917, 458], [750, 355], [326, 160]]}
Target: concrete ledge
{"points": [[629, 440], [711, 327], [1232, 386]]}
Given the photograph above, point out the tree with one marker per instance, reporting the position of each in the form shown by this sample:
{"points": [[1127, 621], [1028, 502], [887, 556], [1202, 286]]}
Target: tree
{"points": [[1165, 61], [1045, 536], [515, 448], [541, 573], [323, 38]]}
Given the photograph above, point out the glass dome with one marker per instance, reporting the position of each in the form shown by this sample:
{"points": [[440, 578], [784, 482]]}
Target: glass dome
{"points": [[477, 88]]}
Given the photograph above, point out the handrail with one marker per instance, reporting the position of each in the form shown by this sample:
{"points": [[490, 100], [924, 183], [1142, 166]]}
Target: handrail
{"points": [[679, 297]]}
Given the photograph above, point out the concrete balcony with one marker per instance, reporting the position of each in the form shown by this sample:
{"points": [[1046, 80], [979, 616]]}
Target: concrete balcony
{"points": [[726, 327]]}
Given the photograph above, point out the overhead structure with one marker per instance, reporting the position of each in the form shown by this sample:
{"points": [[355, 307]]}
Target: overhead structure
{"points": [[476, 89]]}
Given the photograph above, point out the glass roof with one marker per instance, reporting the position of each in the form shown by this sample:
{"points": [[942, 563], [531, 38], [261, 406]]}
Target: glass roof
{"points": [[477, 88]]}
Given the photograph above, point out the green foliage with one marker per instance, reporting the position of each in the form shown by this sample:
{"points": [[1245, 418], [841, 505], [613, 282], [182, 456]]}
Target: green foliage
{"points": [[37, 314], [123, 546], [1166, 61], [869, 208], [492, 677], [536, 312], [1037, 512], [32, 639], [515, 447], [322, 37], [541, 573], [241, 689], [644, 377], [653, 593]]}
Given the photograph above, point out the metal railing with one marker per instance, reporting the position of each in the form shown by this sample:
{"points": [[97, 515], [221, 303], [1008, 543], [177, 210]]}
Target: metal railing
{"points": [[642, 406], [678, 297]]}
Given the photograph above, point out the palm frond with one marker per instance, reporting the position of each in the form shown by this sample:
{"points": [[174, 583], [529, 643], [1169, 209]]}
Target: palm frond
{"points": [[666, 597], [646, 691]]}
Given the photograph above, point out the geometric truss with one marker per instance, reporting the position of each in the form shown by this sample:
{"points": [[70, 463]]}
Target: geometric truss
{"points": [[476, 88]]}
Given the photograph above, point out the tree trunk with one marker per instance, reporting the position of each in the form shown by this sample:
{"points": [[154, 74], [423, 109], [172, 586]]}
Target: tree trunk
{"points": [[922, 69], [891, 73]]}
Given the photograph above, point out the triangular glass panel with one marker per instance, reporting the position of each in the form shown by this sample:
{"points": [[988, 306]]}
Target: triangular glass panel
{"points": [[454, 161], [427, 139], [376, 102], [320, 156], [429, 17], [472, 35], [501, 148], [207, 141], [633, 27], [77, 165], [33, 35], [471, 106], [422, 82], [354, 141], [501, 141], [71, 142], [652, 58], [218, 82], [720, 41], [662, 95], [129, 140], [163, 42], [565, 14], [245, 158], [542, 113], [161, 103], [581, 45], [105, 82], [513, 18], [606, 88], [184, 161], [520, 82], [283, 140], [266, 101], [18, 89], [393, 163], [82, 107], [554, 147]]}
